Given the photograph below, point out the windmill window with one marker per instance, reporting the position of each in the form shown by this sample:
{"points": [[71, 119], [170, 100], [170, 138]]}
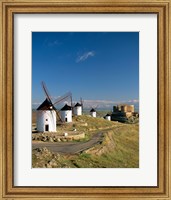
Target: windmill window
{"points": [[46, 119]]}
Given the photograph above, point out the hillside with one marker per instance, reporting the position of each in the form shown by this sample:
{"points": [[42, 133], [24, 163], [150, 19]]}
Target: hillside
{"points": [[84, 124], [119, 148]]}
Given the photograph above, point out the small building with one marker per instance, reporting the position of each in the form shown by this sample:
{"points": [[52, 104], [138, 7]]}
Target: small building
{"points": [[46, 117], [66, 113], [107, 117], [77, 109], [93, 112]]}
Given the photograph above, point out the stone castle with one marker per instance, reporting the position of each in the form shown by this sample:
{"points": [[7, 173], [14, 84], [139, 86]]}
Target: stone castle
{"points": [[123, 112]]}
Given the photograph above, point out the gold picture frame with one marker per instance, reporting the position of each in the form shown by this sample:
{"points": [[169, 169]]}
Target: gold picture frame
{"points": [[8, 9]]}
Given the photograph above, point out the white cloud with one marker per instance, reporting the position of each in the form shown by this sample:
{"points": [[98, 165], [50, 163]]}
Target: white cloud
{"points": [[133, 101], [85, 56], [54, 43], [51, 43]]}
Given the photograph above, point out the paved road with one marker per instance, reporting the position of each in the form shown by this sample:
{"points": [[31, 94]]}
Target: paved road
{"points": [[70, 147]]}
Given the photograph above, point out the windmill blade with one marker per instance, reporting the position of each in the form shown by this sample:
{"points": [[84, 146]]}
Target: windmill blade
{"points": [[57, 112], [46, 91], [98, 113], [96, 107], [81, 100], [62, 98], [71, 102]]}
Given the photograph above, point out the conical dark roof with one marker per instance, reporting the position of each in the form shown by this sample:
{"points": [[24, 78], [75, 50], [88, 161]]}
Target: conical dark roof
{"points": [[46, 105], [92, 110], [66, 107], [77, 105], [107, 115]]}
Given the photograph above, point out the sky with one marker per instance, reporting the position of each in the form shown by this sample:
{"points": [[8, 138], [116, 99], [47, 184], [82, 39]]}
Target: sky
{"points": [[100, 67]]}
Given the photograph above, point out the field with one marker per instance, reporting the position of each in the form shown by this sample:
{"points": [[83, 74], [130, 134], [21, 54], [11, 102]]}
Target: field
{"points": [[118, 148]]}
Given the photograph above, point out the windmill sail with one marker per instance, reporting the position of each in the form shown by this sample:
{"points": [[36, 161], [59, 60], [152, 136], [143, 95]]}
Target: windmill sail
{"points": [[46, 91], [57, 101], [63, 97], [81, 100]]}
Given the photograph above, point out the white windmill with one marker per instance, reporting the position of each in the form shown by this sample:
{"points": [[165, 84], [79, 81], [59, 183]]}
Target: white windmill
{"points": [[66, 113], [93, 112], [46, 112], [107, 117], [77, 109], [46, 117]]}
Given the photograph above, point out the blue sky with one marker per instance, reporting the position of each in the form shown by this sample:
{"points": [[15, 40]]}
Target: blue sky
{"points": [[100, 67]]}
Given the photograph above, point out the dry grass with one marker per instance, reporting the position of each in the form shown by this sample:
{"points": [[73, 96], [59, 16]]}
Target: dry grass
{"points": [[119, 149]]}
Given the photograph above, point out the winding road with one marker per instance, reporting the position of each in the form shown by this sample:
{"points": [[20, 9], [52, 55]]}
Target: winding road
{"points": [[71, 147]]}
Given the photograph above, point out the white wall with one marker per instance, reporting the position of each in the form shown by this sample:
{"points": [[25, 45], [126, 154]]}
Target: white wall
{"points": [[66, 114], [78, 110], [93, 114], [108, 118], [46, 118]]}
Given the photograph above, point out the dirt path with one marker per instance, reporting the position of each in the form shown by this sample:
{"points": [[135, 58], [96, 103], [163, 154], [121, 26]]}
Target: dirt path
{"points": [[70, 147]]}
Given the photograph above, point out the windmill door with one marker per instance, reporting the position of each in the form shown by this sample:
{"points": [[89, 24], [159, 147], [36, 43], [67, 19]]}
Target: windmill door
{"points": [[47, 127]]}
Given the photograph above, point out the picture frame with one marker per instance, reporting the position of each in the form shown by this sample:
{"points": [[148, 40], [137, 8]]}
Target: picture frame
{"points": [[8, 10]]}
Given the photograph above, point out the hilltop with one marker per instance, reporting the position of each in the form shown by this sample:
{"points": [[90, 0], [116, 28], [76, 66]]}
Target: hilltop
{"points": [[84, 124]]}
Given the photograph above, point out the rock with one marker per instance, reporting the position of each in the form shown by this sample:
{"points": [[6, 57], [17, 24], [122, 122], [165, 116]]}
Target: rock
{"points": [[65, 134], [84, 124], [57, 156], [48, 166], [51, 139], [52, 163], [55, 139], [45, 149], [43, 139], [38, 150]]}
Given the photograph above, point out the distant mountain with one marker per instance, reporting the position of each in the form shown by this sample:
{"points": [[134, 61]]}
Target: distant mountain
{"points": [[100, 104]]}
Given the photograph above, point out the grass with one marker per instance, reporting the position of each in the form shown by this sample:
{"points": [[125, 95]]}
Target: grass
{"points": [[83, 124], [119, 149]]}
